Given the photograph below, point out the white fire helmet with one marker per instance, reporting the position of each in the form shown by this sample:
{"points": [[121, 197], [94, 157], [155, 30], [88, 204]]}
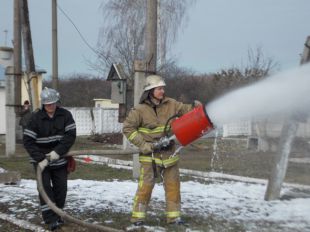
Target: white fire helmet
{"points": [[49, 96], [154, 81]]}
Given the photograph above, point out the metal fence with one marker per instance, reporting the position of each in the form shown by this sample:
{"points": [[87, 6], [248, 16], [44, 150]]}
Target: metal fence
{"points": [[270, 128]]}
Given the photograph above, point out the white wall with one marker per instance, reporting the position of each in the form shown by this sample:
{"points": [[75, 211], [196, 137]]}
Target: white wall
{"points": [[269, 128], [104, 121]]}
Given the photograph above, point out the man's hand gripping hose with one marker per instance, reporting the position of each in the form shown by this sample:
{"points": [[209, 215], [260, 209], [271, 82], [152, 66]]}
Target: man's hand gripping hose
{"points": [[41, 166]]}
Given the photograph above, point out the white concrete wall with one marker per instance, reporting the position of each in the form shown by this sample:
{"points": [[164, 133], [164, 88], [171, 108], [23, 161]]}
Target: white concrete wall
{"points": [[104, 121]]}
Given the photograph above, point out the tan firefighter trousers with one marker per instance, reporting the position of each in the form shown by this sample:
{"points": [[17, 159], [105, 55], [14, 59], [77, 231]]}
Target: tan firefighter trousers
{"points": [[171, 182]]}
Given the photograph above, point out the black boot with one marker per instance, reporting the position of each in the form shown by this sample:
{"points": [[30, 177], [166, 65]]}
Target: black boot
{"points": [[53, 226], [60, 221]]}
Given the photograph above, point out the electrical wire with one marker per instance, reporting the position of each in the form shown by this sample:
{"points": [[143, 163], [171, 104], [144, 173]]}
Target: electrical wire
{"points": [[80, 34]]}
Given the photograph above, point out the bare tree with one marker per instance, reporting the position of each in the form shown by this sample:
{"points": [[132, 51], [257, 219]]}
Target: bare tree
{"points": [[121, 38], [172, 16], [257, 67]]}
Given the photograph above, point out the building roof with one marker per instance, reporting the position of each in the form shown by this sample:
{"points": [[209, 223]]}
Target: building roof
{"points": [[116, 73]]}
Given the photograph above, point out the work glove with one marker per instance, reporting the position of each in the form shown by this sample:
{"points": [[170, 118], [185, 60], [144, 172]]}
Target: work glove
{"points": [[197, 103], [52, 156], [163, 142], [43, 164], [146, 148]]}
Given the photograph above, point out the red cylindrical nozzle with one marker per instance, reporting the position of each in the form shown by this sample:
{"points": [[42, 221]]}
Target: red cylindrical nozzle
{"points": [[191, 125]]}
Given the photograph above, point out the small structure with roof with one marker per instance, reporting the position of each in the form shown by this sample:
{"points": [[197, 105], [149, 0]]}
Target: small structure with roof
{"points": [[118, 84], [105, 103], [118, 89]]}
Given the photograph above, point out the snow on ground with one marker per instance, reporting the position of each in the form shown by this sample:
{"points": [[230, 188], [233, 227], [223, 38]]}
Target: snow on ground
{"points": [[232, 201]]}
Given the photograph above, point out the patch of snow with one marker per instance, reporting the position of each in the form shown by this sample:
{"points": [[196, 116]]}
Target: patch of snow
{"points": [[146, 228], [232, 201]]}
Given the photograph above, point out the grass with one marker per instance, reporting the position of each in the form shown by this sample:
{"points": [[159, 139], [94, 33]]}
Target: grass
{"points": [[83, 171], [99, 172], [20, 164], [232, 157]]}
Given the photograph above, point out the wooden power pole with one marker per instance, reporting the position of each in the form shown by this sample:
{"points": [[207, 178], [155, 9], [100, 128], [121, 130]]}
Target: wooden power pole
{"points": [[54, 45], [151, 36], [13, 87], [17, 53], [29, 57], [144, 68]]}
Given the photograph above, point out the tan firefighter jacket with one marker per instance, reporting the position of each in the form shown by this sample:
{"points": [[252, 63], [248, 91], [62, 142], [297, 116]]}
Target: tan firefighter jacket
{"points": [[145, 125]]}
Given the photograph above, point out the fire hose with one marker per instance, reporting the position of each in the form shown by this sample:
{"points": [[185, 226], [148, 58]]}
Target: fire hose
{"points": [[63, 214], [185, 129]]}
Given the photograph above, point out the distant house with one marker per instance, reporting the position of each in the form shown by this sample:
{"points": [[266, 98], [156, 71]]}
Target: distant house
{"points": [[105, 103]]}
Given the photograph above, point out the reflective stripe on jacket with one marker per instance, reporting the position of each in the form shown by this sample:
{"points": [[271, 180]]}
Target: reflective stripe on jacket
{"points": [[146, 123], [44, 134]]}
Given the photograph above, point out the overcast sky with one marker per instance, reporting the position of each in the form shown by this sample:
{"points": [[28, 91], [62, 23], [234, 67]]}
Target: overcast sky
{"points": [[218, 33]]}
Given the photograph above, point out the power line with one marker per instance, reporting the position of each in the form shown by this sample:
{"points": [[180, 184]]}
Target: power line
{"points": [[80, 34]]}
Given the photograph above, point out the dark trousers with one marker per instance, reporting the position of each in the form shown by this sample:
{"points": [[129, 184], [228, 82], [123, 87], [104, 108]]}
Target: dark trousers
{"points": [[55, 185]]}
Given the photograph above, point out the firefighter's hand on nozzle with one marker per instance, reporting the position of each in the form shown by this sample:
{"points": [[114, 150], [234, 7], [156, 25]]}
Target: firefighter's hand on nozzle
{"points": [[163, 142], [52, 156], [43, 164]]}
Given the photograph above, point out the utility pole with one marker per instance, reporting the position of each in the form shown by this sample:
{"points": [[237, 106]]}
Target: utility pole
{"points": [[306, 54], [144, 68], [279, 168], [29, 58], [13, 86], [27, 41], [151, 36], [17, 54], [54, 45], [288, 134], [141, 70]]}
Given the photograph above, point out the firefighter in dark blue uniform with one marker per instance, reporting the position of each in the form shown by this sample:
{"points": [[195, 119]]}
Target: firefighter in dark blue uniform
{"points": [[48, 137]]}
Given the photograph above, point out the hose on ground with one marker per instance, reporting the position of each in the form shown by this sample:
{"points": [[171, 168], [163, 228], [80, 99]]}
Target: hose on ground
{"points": [[63, 214]]}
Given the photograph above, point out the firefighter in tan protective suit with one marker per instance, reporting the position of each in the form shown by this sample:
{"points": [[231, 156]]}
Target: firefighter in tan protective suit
{"points": [[143, 127]]}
